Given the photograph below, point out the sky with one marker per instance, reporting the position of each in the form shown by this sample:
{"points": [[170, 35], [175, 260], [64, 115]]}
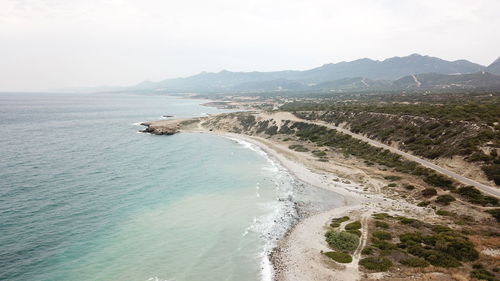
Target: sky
{"points": [[47, 44]]}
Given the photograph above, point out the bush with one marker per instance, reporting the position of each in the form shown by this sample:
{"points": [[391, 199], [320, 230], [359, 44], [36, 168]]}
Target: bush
{"points": [[445, 213], [495, 213], [445, 199], [353, 225], [342, 241], [413, 222], [429, 192], [475, 196], [392, 178], [339, 257], [439, 181], [367, 251], [381, 216], [415, 262], [381, 224], [376, 263], [384, 245], [392, 185], [423, 204], [482, 274], [409, 187], [382, 235], [336, 222], [356, 232], [441, 228]]}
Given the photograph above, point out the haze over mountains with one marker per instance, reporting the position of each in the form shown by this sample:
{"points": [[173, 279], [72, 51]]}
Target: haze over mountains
{"points": [[398, 73]]}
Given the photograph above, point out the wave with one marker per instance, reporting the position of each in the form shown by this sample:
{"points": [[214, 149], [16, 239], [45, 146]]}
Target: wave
{"points": [[280, 214]]}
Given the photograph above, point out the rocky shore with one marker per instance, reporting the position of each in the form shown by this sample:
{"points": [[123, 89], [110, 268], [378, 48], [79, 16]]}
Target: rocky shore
{"points": [[162, 127]]}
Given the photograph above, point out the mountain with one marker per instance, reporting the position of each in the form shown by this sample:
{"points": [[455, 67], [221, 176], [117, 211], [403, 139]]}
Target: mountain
{"points": [[494, 67], [388, 69], [478, 80]]}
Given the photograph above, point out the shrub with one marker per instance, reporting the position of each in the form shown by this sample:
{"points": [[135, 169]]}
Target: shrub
{"points": [[298, 148], [482, 274], [356, 232], [342, 241], [475, 196], [439, 181], [429, 192], [445, 199], [415, 262], [353, 225], [409, 187], [381, 216], [382, 235], [339, 257], [381, 224], [376, 263], [384, 245], [445, 213], [367, 250], [423, 204], [392, 185], [441, 228], [392, 178], [336, 222], [495, 213], [409, 221], [434, 257]]}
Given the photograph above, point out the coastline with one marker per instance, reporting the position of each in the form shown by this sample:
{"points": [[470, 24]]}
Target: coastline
{"points": [[297, 255]]}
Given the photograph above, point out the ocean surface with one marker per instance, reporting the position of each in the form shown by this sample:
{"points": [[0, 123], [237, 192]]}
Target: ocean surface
{"points": [[84, 196]]}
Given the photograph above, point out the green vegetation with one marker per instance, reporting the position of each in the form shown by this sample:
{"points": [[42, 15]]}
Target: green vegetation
{"points": [[342, 241], [409, 187], [367, 250], [482, 274], [381, 216], [445, 199], [392, 185], [428, 128], [392, 178], [413, 222], [429, 192], [356, 232], [414, 262], [495, 213], [423, 204], [475, 196], [339, 257], [376, 263], [445, 248], [381, 224], [382, 235], [298, 147], [445, 213], [353, 225], [336, 222]]}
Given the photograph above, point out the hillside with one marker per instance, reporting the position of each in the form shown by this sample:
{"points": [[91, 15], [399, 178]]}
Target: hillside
{"points": [[372, 74]]}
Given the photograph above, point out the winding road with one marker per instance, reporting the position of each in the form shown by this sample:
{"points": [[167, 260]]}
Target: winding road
{"points": [[486, 189]]}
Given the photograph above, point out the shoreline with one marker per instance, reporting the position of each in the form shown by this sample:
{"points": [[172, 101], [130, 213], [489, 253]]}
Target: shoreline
{"points": [[293, 257]]}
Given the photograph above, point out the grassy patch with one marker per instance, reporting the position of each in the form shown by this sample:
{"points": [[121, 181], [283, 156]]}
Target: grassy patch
{"points": [[342, 241], [414, 262], [339, 257], [382, 235], [376, 263], [445, 199], [336, 222], [353, 225], [381, 224]]}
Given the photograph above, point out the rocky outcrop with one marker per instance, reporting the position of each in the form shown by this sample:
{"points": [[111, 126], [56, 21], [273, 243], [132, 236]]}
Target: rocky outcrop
{"points": [[164, 127]]}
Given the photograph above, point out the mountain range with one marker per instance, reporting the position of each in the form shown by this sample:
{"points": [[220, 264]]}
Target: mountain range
{"points": [[397, 73]]}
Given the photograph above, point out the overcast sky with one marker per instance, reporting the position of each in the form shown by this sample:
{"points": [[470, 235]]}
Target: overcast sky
{"points": [[68, 43]]}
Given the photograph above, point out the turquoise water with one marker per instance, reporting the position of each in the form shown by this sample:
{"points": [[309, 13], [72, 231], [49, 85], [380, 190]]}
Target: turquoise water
{"points": [[83, 196]]}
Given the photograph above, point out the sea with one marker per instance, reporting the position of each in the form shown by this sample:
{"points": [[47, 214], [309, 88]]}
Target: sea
{"points": [[85, 196]]}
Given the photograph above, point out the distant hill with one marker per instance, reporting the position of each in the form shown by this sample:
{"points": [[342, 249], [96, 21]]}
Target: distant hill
{"points": [[333, 74], [478, 80], [494, 67]]}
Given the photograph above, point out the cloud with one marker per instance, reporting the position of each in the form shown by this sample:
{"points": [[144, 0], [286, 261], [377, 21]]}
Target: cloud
{"points": [[54, 43]]}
